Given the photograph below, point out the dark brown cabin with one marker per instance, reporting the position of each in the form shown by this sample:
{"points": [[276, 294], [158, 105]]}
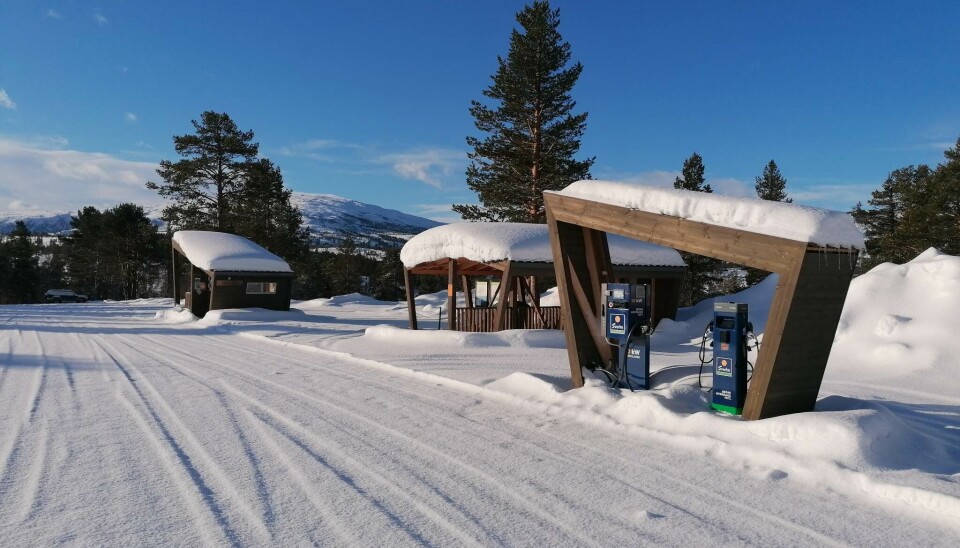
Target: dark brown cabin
{"points": [[515, 303], [215, 270]]}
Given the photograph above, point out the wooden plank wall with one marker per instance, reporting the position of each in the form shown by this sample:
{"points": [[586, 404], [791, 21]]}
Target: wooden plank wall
{"points": [[803, 317], [483, 320]]}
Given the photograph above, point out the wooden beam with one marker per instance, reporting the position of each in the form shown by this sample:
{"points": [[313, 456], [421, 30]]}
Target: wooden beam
{"points": [[769, 253], [583, 348], [499, 319], [411, 303], [174, 275], [799, 335]]}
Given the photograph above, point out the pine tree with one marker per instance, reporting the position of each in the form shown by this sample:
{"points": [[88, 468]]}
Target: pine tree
{"points": [[896, 224], [22, 276], [942, 219], [692, 175], [388, 277], [264, 213], [532, 133], [208, 180], [771, 185], [344, 270], [702, 275]]}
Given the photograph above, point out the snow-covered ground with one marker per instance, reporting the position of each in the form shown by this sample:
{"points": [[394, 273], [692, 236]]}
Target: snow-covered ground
{"points": [[129, 423]]}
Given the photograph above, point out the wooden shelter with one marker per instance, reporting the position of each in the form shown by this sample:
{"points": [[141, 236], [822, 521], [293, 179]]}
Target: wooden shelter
{"points": [[514, 256], [813, 279], [227, 271]]}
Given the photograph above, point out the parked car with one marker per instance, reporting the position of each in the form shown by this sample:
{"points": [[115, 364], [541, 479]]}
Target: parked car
{"points": [[63, 296]]}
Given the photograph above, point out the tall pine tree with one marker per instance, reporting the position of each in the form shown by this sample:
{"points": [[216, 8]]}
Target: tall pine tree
{"points": [[702, 272], [771, 185], [895, 224], [205, 184], [532, 133]]}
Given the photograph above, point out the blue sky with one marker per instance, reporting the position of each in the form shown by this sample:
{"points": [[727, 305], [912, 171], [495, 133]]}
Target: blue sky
{"points": [[369, 100]]}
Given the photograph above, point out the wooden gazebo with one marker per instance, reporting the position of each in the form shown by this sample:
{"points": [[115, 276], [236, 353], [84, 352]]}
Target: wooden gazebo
{"points": [[814, 251], [515, 256]]}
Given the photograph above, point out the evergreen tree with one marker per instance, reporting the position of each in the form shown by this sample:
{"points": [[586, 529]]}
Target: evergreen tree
{"points": [[702, 272], [23, 266], [205, 184], [942, 214], [771, 185], [87, 253], [692, 175], [344, 270], [388, 277], [896, 224], [264, 214], [532, 133]]}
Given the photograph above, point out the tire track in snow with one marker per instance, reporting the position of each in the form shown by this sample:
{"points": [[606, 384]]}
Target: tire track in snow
{"points": [[181, 466], [518, 491], [394, 487], [269, 516], [205, 461]]}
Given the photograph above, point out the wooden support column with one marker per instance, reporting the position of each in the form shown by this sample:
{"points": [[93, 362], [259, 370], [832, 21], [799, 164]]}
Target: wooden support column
{"points": [[411, 304], [581, 324], [174, 274], [468, 298], [500, 317], [452, 295], [799, 335]]}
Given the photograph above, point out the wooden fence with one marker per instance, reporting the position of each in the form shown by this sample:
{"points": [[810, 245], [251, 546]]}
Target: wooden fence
{"points": [[481, 320]]}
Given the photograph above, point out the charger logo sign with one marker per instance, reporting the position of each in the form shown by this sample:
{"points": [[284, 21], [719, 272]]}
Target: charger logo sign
{"points": [[723, 366], [617, 325]]}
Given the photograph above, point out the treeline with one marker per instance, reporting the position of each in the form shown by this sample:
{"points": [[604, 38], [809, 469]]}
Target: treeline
{"points": [[112, 254], [916, 207]]}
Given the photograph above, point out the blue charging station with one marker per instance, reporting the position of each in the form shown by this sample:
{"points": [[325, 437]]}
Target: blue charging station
{"points": [[626, 325], [730, 331]]}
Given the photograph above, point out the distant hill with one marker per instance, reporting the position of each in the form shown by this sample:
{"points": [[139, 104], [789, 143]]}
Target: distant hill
{"points": [[330, 219]]}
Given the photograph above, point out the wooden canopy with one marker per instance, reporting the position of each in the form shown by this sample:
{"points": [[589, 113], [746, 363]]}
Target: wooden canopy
{"points": [[518, 284], [812, 286]]}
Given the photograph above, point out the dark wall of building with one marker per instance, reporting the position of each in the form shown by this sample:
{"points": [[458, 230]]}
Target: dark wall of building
{"points": [[231, 291]]}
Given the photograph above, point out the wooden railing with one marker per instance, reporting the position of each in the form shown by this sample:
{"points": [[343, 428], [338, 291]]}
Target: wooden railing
{"points": [[481, 320]]}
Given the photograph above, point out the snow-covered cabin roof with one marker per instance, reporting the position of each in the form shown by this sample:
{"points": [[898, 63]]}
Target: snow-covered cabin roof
{"points": [[791, 221], [226, 252], [489, 242]]}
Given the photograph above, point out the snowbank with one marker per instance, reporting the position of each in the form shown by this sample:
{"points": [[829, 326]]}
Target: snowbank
{"points": [[226, 252], [791, 221], [899, 327], [487, 242], [517, 338]]}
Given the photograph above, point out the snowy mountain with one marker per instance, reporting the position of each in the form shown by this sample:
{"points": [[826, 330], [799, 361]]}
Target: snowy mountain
{"points": [[330, 219]]}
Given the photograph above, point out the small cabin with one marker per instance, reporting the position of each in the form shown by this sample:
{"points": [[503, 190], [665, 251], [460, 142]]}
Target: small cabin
{"points": [[215, 270], [497, 267]]}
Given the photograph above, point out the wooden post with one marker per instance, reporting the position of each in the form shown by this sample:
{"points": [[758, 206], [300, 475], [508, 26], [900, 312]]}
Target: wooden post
{"points": [[500, 318], [452, 295], [174, 275], [468, 298], [411, 304]]}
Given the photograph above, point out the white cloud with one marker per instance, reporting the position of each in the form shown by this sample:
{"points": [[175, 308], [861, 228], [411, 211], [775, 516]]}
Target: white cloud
{"points": [[6, 101], [54, 14], [430, 166], [732, 187], [100, 18], [130, 117], [38, 176]]}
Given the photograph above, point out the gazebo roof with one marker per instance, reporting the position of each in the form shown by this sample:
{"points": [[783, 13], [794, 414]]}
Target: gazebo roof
{"points": [[219, 251], [487, 243]]}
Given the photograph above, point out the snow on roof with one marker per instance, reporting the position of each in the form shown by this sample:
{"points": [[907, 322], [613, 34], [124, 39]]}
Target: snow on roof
{"points": [[790, 221], [227, 252], [487, 242]]}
